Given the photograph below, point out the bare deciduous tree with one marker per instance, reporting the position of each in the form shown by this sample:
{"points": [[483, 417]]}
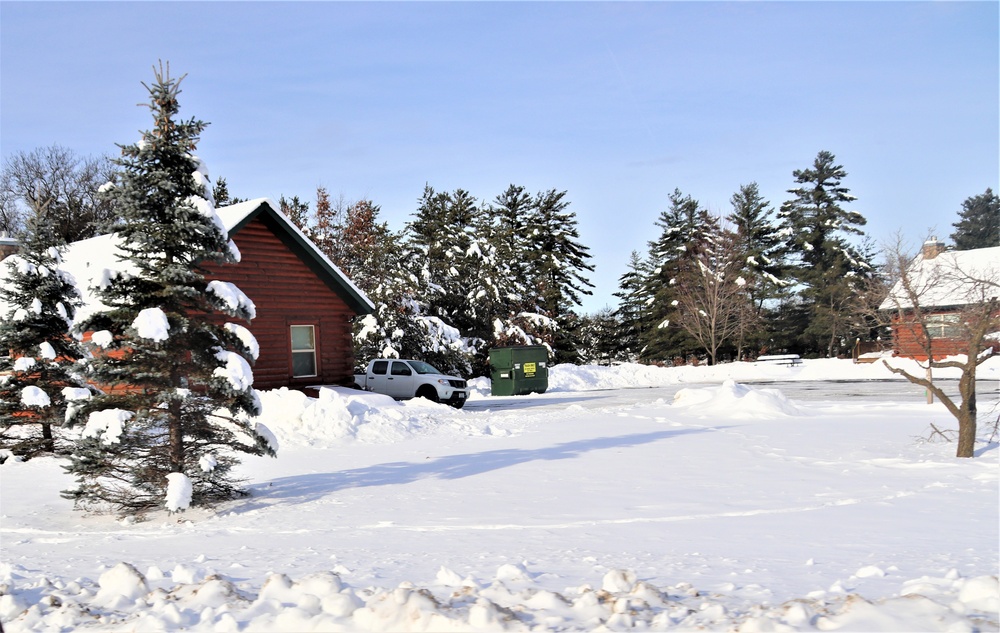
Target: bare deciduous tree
{"points": [[712, 303], [944, 306], [56, 181]]}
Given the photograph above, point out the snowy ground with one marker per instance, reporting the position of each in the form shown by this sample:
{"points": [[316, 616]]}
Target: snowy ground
{"points": [[689, 503]]}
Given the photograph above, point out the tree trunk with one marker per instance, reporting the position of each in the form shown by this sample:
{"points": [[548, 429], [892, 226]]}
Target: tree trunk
{"points": [[176, 438], [48, 443], [964, 410], [967, 417]]}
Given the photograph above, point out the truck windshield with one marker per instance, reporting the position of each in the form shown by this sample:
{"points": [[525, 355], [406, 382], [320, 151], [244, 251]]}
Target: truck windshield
{"points": [[423, 368]]}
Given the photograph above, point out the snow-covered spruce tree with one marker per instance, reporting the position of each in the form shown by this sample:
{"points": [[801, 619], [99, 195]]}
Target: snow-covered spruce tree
{"points": [[443, 231], [41, 378], [559, 262], [978, 225], [829, 269], [436, 249], [168, 427], [510, 214], [510, 228], [504, 313]]}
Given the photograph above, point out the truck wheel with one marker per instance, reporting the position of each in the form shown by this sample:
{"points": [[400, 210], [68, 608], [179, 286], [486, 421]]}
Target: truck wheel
{"points": [[428, 392]]}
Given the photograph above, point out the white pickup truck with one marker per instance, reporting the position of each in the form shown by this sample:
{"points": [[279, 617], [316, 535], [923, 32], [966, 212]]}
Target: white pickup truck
{"points": [[403, 379]]}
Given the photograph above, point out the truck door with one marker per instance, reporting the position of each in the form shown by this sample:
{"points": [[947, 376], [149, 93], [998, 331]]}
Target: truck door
{"points": [[377, 379], [401, 380]]}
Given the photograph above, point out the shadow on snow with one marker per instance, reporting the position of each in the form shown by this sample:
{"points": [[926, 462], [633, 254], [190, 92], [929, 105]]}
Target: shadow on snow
{"points": [[305, 488]]}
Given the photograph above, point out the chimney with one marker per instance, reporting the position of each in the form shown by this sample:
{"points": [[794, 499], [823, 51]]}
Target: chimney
{"points": [[8, 245], [932, 248]]}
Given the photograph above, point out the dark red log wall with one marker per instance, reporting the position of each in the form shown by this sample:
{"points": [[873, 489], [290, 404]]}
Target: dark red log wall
{"points": [[287, 292]]}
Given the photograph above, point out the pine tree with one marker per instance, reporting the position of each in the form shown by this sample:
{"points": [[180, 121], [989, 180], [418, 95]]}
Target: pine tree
{"points": [[366, 245], [371, 256], [178, 384], [400, 327], [439, 253], [826, 265], [758, 243], [429, 248], [511, 212], [501, 312], [633, 303], [516, 314], [297, 212], [395, 329], [43, 376], [489, 297], [457, 269], [684, 230], [559, 263], [600, 338], [979, 222], [560, 260], [762, 252], [220, 193]]}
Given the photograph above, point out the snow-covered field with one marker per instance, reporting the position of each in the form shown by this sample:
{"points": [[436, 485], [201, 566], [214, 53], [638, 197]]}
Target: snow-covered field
{"points": [[624, 498]]}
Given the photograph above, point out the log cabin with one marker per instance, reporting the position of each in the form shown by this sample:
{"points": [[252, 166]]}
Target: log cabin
{"points": [[942, 285], [304, 303]]}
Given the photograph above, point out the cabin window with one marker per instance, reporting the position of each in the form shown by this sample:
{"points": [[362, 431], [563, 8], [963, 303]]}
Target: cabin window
{"points": [[303, 351], [943, 326]]}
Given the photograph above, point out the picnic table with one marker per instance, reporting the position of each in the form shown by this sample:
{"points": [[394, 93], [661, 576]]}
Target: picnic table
{"points": [[789, 360]]}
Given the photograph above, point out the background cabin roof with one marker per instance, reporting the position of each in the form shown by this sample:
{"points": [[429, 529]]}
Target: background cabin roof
{"points": [[950, 280]]}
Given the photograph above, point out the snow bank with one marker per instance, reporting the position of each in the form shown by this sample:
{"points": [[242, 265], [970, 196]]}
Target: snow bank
{"points": [[341, 414], [191, 598], [733, 400]]}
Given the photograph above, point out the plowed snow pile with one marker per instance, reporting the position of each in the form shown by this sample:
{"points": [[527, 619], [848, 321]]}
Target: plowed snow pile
{"points": [[735, 401]]}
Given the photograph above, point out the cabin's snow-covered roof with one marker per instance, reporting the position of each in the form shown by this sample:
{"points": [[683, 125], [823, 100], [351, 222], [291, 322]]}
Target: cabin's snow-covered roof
{"points": [[951, 279], [91, 261]]}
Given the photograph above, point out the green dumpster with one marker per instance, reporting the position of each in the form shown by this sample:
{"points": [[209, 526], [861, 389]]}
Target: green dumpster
{"points": [[516, 371]]}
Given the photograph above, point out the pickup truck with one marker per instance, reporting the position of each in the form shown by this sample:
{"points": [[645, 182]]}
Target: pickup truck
{"points": [[403, 379]]}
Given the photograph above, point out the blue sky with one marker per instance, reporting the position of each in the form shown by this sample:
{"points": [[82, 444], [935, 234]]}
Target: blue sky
{"points": [[616, 103]]}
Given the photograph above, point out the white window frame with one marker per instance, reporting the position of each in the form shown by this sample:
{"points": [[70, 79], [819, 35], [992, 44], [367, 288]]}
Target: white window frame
{"points": [[943, 326], [304, 350]]}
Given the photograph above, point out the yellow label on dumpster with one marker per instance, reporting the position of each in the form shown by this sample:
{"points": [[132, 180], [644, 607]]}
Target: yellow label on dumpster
{"points": [[529, 370]]}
